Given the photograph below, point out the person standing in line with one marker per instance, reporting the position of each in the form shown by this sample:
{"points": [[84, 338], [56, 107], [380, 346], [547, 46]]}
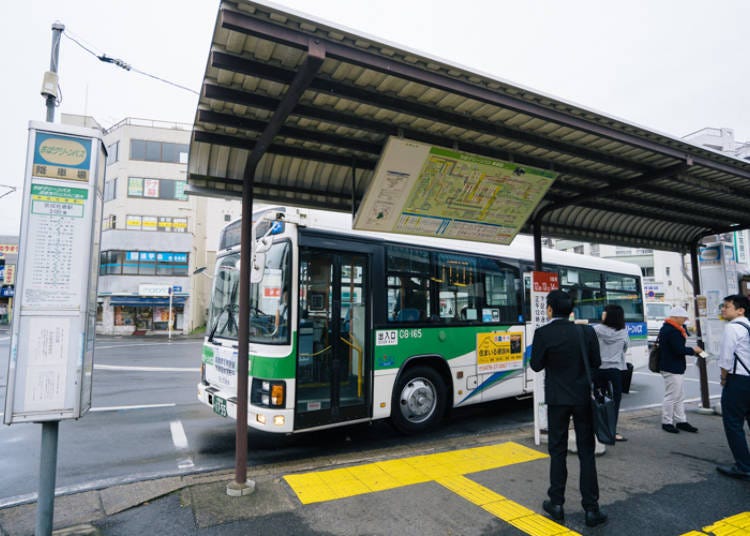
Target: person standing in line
{"points": [[672, 364], [557, 351], [734, 362], [613, 343]]}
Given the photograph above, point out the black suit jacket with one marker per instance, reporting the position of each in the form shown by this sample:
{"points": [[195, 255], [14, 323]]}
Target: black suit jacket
{"points": [[557, 351]]}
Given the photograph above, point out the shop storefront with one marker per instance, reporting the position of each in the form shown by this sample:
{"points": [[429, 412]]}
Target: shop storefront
{"points": [[127, 315]]}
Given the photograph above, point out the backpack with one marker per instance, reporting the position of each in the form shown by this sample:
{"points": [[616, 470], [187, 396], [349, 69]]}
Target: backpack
{"points": [[737, 359]]}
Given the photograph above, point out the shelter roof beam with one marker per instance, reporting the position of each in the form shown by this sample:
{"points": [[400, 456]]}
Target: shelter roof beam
{"points": [[308, 69], [266, 29], [262, 70]]}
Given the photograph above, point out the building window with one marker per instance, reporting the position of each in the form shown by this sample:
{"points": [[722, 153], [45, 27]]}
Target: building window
{"points": [[578, 249], [647, 271], [157, 188], [594, 250], [110, 222], [667, 270], [124, 316], [113, 153], [168, 263], [110, 190], [159, 151]]}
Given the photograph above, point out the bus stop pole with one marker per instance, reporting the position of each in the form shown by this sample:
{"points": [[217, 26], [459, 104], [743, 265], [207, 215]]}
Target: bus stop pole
{"points": [[45, 504], [705, 406]]}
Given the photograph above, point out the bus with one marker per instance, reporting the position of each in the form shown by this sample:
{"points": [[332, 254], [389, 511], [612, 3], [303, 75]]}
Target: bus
{"points": [[349, 326]]}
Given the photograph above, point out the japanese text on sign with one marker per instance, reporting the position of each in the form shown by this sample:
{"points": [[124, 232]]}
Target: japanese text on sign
{"points": [[499, 350]]}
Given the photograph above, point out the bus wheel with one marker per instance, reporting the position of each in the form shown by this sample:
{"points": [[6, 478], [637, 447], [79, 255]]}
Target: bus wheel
{"points": [[418, 400]]}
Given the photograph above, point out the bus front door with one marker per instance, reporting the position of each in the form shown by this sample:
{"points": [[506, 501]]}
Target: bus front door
{"points": [[333, 372]]}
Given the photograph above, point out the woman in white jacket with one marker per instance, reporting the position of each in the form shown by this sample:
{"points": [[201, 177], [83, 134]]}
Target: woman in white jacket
{"points": [[613, 343]]}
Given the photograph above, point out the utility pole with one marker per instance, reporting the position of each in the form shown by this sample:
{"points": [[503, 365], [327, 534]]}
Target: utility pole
{"points": [[45, 508]]}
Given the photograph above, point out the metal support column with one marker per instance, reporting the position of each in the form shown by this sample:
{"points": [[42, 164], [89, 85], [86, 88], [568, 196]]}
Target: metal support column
{"points": [[241, 485], [700, 362], [45, 506], [538, 242], [306, 73]]}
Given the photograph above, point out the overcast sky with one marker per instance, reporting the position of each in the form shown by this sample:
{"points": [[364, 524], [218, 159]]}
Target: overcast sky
{"points": [[673, 66]]}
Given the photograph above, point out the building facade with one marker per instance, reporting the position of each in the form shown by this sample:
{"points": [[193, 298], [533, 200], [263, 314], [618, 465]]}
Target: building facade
{"points": [[8, 263], [147, 230]]}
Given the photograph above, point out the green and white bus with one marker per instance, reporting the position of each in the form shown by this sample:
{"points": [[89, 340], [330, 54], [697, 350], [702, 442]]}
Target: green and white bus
{"points": [[349, 326]]}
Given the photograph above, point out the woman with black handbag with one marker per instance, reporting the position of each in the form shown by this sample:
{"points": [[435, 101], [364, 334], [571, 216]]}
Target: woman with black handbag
{"points": [[613, 343]]}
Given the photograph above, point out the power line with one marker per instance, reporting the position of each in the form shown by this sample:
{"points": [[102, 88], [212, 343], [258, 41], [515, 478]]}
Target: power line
{"points": [[126, 66]]}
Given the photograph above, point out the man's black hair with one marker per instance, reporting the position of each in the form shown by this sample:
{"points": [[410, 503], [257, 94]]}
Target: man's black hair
{"points": [[560, 302], [739, 301]]}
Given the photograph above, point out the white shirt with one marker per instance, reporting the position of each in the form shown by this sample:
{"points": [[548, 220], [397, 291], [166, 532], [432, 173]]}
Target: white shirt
{"points": [[736, 340]]}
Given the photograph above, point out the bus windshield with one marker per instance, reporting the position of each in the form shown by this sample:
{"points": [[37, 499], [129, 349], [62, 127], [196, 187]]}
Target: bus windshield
{"points": [[269, 298], [224, 320]]}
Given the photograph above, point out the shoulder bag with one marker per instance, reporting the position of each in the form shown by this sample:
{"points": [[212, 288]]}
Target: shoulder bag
{"points": [[653, 357], [602, 402]]}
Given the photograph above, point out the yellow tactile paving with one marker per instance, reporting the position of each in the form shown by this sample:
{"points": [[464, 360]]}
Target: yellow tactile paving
{"points": [[735, 525], [470, 490], [347, 482], [447, 469], [515, 514]]}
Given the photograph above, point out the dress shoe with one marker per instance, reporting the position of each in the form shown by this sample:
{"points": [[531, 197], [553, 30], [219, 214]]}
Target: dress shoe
{"points": [[733, 471], [670, 428], [686, 427], [555, 511], [595, 517]]}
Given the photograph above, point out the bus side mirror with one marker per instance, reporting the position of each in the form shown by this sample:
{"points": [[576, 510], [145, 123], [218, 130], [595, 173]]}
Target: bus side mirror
{"points": [[256, 270]]}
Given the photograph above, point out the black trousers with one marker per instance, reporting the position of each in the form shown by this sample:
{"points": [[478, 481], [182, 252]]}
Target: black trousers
{"points": [[558, 420], [735, 410]]}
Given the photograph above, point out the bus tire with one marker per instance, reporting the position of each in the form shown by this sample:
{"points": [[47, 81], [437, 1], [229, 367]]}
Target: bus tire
{"points": [[418, 401]]}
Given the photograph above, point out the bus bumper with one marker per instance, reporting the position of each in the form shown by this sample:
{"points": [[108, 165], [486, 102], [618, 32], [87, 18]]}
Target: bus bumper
{"points": [[267, 419]]}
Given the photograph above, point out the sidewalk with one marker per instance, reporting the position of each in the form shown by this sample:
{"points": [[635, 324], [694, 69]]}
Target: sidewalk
{"points": [[653, 484]]}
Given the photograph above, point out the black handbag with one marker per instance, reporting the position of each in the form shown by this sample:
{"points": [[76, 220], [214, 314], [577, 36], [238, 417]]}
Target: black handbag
{"points": [[602, 402], [627, 378], [653, 357]]}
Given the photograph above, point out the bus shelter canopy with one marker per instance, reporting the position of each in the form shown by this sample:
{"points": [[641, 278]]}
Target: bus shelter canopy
{"points": [[305, 109]]}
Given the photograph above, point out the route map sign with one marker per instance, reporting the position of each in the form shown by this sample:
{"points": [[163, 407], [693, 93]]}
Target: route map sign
{"points": [[52, 338], [426, 190]]}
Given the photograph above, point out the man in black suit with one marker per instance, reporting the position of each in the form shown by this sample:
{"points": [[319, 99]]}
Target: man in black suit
{"points": [[557, 351]]}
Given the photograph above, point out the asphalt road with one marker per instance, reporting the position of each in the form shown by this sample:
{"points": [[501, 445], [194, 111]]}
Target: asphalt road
{"points": [[146, 422]]}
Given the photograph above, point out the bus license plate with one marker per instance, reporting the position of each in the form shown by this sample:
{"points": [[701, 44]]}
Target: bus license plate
{"points": [[220, 406]]}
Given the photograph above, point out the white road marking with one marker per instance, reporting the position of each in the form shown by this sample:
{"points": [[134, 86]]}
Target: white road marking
{"points": [[684, 379], [658, 404], [128, 345], [145, 369], [180, 441], [142, 406], [178, 435]]}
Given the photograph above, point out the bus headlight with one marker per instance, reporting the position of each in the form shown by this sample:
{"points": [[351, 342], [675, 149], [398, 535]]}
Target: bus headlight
{"points": [[268, 393]]}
